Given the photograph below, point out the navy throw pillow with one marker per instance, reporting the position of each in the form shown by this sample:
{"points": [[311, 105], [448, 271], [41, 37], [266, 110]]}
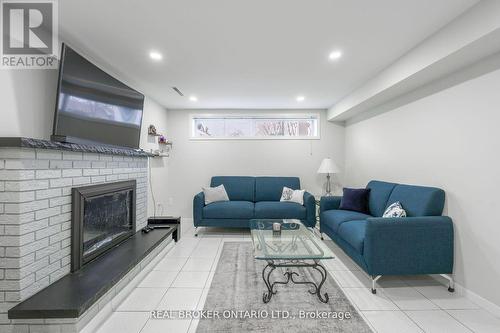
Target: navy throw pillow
{"points": [[355, 199]]}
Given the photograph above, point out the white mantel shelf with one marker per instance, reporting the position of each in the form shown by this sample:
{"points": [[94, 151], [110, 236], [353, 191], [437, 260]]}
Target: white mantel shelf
{"points": [[21, 142]]}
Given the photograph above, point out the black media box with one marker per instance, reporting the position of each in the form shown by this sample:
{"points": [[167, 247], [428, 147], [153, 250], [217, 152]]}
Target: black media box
{"points": [[167, 220]]}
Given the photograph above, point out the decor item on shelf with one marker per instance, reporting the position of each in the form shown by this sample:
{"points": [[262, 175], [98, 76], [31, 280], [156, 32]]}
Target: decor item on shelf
{"points": [[162, 140], [152, 130], [159, 153], [164, 144], [328, 166]]}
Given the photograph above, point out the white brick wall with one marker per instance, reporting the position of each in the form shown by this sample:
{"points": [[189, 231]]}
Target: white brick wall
{"points": [[35, 213]]}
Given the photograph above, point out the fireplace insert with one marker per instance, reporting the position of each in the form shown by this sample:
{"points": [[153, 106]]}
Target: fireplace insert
{"points": [[103, 216]]}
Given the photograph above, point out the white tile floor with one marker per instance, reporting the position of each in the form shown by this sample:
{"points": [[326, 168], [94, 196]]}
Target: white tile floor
{"points": [[182, 278]]}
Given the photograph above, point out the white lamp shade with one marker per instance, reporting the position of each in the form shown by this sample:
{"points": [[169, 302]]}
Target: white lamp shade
{"points": [[328, 166]]}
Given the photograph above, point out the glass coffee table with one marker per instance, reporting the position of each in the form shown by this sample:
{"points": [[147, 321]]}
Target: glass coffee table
{"points": [[294, 246]]}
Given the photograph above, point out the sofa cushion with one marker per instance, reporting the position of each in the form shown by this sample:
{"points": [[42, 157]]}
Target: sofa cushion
{"points": [[355, 199], [214, 194], [229, 210], [334, 218], [271, 188], [290, 195], [379, 194], [279, 210], [237, 188], [394, 210], [419, 200], [353, 232]]}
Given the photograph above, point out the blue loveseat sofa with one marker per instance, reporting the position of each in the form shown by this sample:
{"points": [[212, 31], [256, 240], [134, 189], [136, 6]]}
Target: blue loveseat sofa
{"points": [[421, 243], [251, 198]]}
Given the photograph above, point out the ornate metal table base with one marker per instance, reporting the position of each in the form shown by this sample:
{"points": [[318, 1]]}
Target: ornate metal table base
{"points": [[315, 288]]}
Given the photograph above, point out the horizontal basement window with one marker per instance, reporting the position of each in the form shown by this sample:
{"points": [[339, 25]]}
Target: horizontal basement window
{"points": [[255, 127]]}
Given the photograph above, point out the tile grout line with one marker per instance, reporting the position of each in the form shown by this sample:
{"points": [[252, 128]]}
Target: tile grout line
{"points": [[451, 315], [215, 260], [166, 289]]}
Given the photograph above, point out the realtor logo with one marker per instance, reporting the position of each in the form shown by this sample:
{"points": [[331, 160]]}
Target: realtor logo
{"points": [[29, 34]]}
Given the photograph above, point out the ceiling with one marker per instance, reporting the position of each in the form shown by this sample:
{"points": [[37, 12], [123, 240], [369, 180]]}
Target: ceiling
{"points": [[250, 53]]}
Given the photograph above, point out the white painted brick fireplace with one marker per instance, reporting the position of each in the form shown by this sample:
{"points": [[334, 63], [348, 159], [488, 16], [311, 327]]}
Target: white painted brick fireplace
{"points": [[35, 213]]}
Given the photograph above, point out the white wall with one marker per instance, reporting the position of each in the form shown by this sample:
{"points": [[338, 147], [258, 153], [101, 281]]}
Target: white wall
{"points": [[450, 140], [27, 102], [27, 105], [155, 114], [193, 162]]}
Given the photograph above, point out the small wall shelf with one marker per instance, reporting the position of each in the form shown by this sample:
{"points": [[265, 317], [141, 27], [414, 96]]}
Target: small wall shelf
{"points": [[160, 154], [164, 145], [167, 143]]}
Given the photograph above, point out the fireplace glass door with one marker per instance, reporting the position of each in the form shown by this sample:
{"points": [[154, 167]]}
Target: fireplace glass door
{"points": [[103, 216], [106, 219]]}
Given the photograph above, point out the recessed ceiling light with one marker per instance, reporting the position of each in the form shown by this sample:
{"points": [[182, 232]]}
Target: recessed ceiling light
{"points": [[155, 55], [334, 55], [193, 98], [300, 98]]}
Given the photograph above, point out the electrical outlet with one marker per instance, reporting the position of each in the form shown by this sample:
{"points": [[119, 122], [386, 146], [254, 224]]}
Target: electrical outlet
{"points": [[159, 209]]}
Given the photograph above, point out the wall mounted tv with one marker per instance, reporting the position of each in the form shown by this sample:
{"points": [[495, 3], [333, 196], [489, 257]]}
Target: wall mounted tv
{"points": [[93, 107]]}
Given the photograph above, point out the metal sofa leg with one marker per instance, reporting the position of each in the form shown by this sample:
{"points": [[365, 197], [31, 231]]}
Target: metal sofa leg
{"points": [[451, 282], [196, 232], [374, 280]]}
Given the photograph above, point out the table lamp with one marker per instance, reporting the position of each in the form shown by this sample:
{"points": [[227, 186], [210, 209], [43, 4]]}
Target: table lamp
{"points": [[328, 166]]}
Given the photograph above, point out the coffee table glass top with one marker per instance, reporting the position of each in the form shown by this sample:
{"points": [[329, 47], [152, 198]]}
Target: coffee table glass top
{"points": [[294, 241]]}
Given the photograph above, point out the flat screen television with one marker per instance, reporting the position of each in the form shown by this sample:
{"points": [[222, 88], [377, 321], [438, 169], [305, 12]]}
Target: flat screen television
{"points": [[93, 107]]}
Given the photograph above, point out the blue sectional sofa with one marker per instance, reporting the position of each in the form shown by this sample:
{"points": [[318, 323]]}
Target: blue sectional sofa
{"points": [[421, 243], [250, 198]]}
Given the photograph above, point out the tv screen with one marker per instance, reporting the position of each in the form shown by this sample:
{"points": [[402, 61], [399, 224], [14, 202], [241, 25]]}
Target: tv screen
{"points": [[93, 107]]}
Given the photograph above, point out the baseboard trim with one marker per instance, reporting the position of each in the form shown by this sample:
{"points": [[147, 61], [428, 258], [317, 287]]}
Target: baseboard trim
{"points": [[482, 302], [491, 307]]}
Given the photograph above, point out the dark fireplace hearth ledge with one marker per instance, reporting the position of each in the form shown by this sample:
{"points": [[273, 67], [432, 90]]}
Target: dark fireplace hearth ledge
{"points": [[22, 142], [77, 292]]}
